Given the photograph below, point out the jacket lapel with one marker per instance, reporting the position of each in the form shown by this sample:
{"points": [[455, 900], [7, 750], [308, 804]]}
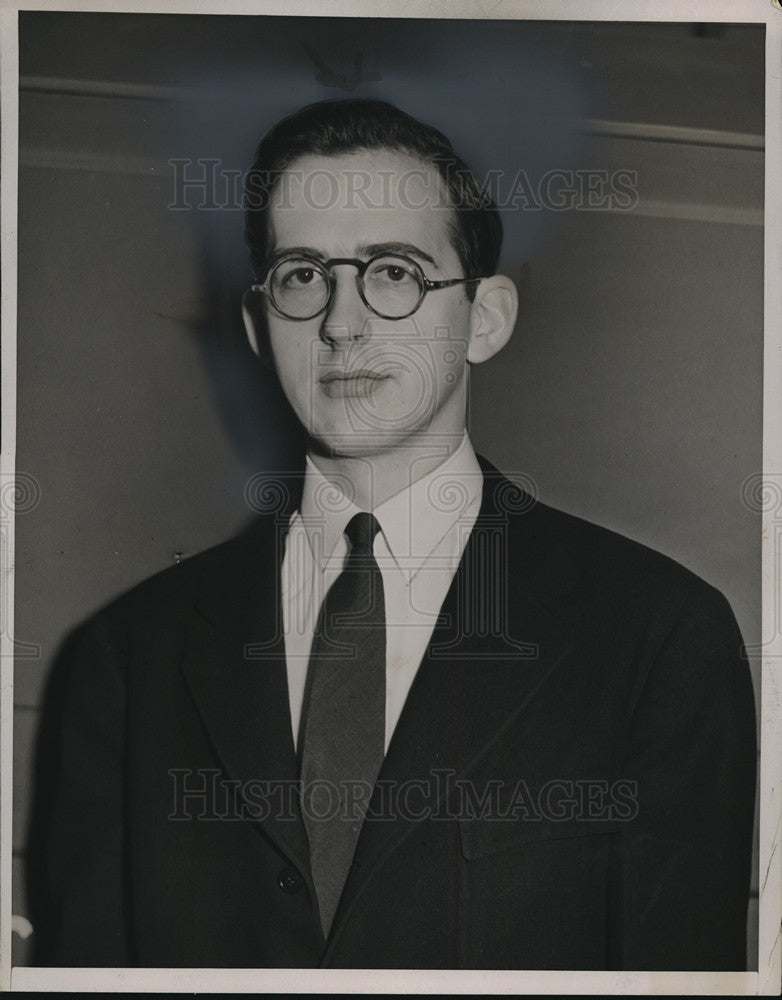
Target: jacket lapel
{"points": [[235, 668]]}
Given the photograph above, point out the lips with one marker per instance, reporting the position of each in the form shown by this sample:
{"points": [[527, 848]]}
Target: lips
{"points": [[359, 373], [357, 383]]}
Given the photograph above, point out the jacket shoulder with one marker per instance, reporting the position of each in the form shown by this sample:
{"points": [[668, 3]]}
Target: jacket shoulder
{"points": [[594, 567]]}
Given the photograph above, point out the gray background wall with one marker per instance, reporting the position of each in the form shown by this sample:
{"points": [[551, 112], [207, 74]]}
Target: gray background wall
{"points": [[631, 393]]}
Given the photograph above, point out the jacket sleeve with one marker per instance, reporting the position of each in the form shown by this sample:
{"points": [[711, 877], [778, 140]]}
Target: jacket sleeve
{"points": [[680, 871], [76, 855]]}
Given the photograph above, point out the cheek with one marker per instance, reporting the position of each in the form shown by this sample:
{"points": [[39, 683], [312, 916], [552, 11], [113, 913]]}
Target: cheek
{"points": [[449, 368], [452, 353], [290, 357], [449, 345]]}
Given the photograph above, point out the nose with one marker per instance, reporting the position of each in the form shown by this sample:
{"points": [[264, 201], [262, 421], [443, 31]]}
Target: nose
{"points": [[346, 317]]}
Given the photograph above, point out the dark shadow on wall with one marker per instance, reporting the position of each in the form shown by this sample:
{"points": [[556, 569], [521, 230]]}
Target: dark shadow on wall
{"points": [[247, 395]]}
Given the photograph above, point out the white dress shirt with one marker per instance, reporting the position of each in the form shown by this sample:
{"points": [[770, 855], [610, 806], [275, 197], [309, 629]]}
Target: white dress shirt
{"points": [[423, 531]]}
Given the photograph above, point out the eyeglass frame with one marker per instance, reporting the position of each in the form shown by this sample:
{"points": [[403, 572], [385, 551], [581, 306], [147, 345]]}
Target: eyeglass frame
{"points": [[427, 284]]}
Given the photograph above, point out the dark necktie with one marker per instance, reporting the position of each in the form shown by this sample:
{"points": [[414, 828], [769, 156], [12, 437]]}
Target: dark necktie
{"points": [[342, 738]]}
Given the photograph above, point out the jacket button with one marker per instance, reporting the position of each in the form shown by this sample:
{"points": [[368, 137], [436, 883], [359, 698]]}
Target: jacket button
{"points": [[289, 880]]}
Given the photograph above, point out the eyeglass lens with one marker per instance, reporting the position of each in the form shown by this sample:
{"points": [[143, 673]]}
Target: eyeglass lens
{"points": [[300, 288]]}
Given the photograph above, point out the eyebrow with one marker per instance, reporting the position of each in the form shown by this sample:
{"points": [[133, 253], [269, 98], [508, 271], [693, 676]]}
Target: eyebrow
{"points": [[409, 249], [295, 252], [368, 250]]}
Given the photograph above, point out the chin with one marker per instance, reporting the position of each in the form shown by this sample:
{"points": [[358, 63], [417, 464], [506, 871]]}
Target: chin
{"points": [[351, 443]]}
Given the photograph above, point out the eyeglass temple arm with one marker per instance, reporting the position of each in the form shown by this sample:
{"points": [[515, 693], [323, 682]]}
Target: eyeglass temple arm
{"points": [[447, 282]]}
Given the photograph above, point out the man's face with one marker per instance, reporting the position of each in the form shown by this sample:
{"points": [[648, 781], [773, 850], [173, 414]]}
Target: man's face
{"points": [[414, 389]]}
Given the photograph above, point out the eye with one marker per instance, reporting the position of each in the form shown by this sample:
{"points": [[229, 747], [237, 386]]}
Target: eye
{"points": [[392, 272], [300, 276], [296, 275]]}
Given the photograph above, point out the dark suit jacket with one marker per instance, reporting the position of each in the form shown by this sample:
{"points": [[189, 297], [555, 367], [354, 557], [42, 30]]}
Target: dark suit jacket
{"points": [[574, 771]]}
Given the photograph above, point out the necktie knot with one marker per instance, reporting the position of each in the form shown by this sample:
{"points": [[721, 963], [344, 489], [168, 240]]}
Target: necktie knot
{"points": [[361, 531]]}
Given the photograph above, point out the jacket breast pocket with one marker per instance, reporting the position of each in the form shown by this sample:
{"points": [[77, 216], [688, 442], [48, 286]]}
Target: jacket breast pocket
{"points": [[534, 896]]}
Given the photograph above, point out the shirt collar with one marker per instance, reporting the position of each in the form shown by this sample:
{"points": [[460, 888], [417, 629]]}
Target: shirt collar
{"points": [[413, 520]]}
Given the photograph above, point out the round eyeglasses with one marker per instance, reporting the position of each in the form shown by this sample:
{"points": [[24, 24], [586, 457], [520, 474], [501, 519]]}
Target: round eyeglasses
{"points": [[391, 285]]}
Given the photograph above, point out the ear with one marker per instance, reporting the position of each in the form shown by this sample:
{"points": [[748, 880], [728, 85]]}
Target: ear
{"points": [[254, 316], [492, 317]]}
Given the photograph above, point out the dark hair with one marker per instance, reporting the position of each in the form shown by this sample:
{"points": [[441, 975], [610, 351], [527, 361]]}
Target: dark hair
{"points": [[333, 127]]}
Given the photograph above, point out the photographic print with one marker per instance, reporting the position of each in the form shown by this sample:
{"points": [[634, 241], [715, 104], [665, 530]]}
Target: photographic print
{"points": [[392, 536]]}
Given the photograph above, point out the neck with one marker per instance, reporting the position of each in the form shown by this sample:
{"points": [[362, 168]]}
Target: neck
{"points": [[376, 477]]}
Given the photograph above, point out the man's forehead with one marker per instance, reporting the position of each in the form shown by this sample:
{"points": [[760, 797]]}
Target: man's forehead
{"points": [[368, 196]]}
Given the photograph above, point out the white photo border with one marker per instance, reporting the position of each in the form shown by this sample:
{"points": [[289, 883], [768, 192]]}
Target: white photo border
{"points": [[767, 979]]}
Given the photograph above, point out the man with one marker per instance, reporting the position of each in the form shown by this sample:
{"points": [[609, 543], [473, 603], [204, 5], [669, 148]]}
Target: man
{"points": [[411, 718]]}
